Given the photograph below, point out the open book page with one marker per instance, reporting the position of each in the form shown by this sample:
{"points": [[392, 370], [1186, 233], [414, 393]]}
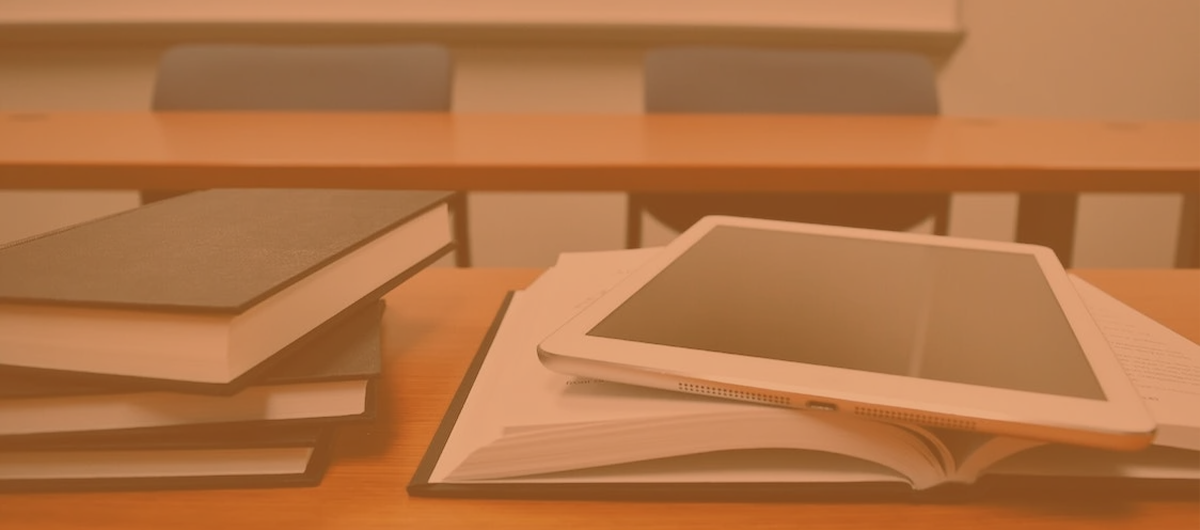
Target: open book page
{"points": [[1163, 365], [762, 466], [548, 422], [973, 452], [619, 442], [475, 425]]}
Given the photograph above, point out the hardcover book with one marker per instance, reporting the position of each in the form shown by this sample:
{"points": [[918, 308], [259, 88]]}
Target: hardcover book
{"points": [[204, 289], [332, 379], [274, 456]]}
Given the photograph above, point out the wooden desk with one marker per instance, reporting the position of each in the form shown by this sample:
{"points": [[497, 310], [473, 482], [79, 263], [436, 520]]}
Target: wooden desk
{"points": [[432, 328], [1048, 162]]}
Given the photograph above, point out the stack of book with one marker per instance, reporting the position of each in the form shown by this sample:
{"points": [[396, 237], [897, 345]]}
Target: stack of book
{"points": [[518, 430], [211, 340]]}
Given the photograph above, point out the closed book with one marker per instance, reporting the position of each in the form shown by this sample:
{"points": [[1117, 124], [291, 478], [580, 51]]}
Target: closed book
{"points": [[332, 379], [204, 289], [185, 459]]}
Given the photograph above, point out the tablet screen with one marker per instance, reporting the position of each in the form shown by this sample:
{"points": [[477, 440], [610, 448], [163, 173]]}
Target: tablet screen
{"points": [[950, 314]]}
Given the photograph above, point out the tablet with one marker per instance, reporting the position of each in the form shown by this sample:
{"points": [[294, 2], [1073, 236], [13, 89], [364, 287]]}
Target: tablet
{"points": [[939, 331]]}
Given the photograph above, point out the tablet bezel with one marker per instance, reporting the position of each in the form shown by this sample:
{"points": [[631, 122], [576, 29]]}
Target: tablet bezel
{"points": [[1119, 422]]}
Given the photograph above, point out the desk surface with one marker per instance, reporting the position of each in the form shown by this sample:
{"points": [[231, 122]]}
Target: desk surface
{"points": [[433, 326], [133, 150]]}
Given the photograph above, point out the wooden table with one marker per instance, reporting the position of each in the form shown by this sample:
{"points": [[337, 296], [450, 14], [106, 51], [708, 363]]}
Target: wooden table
{"points": [[432, 328], [1048, 162]]}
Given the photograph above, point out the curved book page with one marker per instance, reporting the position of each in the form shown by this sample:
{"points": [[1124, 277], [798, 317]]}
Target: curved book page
{"points": [[757, 427], [548, 422]]}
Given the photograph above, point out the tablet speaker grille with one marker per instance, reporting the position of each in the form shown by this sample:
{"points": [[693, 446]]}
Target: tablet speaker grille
{"points": [[759, 397], [916, 417]]}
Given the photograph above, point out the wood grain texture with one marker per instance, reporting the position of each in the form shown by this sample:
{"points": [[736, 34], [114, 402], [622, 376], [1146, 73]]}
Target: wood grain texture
{"points": [[432, 328], [555, 152]]}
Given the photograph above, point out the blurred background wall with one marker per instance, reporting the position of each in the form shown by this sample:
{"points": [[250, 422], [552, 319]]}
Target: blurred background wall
{"points": [[1076, 59]]}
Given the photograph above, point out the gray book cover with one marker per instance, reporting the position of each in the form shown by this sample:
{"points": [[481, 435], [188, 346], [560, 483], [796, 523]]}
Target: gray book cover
{"points": [[219, 251]]}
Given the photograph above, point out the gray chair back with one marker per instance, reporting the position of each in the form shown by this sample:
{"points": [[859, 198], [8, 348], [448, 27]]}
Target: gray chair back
{"points": [[745, 80], [749, 80], [397, 78]]}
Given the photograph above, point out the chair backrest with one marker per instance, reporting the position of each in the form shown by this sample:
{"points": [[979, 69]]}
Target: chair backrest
{"points": [[398, 78], [749, 80], [753, 80]]}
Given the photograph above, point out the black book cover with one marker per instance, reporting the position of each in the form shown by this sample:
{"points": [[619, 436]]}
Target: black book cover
{"points": [[203, 439], [988, 489], [216, 251]]}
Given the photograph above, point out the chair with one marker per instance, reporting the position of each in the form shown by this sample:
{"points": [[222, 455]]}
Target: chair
{"points": [[745, 80], [388, 78]]}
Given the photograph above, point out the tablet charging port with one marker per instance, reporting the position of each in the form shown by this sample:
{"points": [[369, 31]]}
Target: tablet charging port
{"points": [[821, 405]]}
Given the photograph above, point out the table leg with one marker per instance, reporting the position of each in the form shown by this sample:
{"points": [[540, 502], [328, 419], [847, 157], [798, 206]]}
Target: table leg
{"points": [[1187, 253], [1048, 219], [461, 228], [633, 222]]}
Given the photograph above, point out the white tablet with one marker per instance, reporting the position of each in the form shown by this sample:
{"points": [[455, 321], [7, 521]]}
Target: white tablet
{"points": [[946, 332]]}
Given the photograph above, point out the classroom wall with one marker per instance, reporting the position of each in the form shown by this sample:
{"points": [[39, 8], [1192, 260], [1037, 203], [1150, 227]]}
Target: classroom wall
{"points": [[1091, 59], [1087, 59]]}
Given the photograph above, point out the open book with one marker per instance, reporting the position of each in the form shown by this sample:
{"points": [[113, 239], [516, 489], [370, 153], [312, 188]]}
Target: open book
{"points": [[518, 429]]}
